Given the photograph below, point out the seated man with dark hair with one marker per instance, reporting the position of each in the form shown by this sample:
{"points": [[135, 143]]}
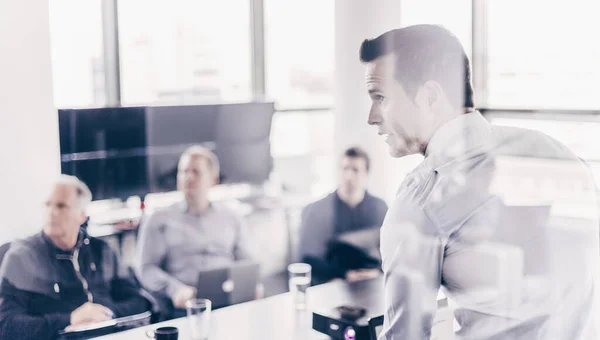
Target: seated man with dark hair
{"points": [[62, 278], [348, 209]]}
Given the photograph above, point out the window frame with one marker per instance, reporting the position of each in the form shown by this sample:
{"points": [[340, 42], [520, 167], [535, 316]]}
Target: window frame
{"points": [[258, 73], [480, 72]]}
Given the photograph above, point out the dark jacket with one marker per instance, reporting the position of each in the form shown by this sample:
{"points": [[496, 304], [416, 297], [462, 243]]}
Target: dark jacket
{"points": [[40, 286], [326, 219]]}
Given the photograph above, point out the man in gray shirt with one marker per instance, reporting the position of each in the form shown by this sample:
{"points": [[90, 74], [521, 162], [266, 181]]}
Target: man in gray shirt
{"points": [[190, 236], [511, 260]]}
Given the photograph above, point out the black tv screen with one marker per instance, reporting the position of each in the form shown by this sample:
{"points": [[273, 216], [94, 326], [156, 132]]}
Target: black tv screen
{"points": [[120, 152]]}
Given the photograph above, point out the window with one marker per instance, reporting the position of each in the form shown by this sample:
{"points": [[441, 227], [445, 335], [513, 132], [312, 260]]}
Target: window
{"points": [[578, 133], [299, 48], [543, 54], [76, 49], [184, 52], [303, 150], [455, 15]]}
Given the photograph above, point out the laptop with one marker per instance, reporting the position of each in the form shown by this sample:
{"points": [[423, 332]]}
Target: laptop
{"points": [[229, 285]]}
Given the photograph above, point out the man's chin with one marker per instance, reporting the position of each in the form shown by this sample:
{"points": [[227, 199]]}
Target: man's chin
{"points": [[347, 192], [53, 231], [194, 195], [191, 193], [398, 152]]}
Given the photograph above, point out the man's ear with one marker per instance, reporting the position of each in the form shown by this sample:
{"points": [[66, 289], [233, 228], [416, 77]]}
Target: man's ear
{"points": [[429, 94]]}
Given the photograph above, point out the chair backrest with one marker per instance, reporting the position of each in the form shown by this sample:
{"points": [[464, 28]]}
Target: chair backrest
{"points": [[3, 250]]}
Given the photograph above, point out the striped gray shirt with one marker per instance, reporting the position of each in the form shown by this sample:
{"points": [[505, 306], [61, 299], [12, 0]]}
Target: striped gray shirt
{"points": [[175, 245]]}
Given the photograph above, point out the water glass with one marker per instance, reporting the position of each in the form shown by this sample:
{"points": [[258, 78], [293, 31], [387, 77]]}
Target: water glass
{"points": [[198, 314], [300, 276]]}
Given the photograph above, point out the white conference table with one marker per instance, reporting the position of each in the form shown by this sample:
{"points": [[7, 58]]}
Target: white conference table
{"points": [[275, 318]]}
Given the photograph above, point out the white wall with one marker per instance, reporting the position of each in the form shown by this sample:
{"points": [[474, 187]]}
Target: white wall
{"points": [[355, 21], [28, 121]]}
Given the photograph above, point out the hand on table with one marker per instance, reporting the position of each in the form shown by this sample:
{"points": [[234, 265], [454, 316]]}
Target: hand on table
{"points": [[89, 313], [182, 295]]}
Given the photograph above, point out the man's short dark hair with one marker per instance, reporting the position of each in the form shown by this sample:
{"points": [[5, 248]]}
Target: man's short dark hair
{"points": [[356, 152], [423, 53]]}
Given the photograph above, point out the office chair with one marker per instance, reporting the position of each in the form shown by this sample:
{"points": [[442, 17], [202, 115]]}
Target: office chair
{"points": [[159, 303], [3, 250]]}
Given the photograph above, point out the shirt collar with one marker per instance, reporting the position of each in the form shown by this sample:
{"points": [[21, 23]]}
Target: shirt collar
{"points": [[457, 138], [183, 207], [339, 200], [54, 250]]}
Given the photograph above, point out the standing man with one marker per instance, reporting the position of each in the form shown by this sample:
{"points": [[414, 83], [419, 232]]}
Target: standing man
{"points": [[348, 209], [445, 226]]}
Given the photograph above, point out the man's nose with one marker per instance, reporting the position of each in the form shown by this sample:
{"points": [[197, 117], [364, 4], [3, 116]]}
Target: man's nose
{"points": [[52, 211], [374, 116]]}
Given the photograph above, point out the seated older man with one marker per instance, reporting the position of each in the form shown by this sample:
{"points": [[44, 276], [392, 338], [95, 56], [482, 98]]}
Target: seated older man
{"points": [[176, 243], [62, 277]]}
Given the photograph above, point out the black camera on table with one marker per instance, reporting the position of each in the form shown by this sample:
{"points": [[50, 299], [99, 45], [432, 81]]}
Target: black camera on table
{"points": [[347, 323]]}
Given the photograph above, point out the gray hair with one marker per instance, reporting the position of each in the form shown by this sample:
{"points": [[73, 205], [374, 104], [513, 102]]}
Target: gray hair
{"points": [[84, 195], [201, 151]]}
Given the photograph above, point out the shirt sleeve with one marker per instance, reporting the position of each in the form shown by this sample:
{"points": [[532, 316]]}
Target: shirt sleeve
{"points": [[381, 211], [15, 320], [316, 230], [314, 233], [243, 247], [152, 251], [412, 254]]}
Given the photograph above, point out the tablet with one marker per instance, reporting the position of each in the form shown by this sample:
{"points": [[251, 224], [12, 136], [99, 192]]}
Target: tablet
{"points": [[106, 327]]}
